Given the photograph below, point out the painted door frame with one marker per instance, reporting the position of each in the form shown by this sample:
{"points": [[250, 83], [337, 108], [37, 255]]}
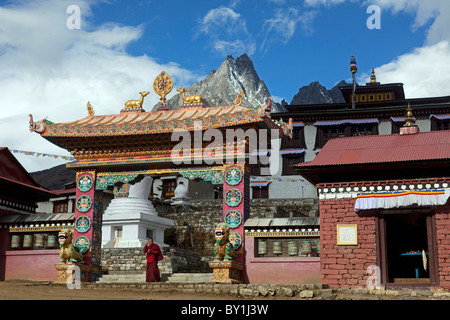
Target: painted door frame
{"points": [[431, 242]]}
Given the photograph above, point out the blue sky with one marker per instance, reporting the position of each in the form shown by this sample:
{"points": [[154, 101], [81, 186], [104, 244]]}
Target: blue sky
{"points": [[317, 48], [49, 70]]}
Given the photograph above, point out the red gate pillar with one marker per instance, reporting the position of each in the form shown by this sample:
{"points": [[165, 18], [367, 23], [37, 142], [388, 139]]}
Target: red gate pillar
{"points": [[236, 204], [87, 230]]}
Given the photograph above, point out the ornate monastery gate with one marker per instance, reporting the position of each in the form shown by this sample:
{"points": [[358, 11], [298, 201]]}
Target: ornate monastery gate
{"points": [[123, 148]]}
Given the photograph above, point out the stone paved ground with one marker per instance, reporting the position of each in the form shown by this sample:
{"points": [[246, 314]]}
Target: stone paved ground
{"points": [[204, 300], [28, 290]]}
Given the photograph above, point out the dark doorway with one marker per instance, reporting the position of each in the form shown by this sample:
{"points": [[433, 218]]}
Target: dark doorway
{"points": [[407, 254]]}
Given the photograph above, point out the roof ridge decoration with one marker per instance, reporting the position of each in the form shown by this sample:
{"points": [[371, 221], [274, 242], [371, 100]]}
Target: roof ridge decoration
{"points": [[373, 78], [239, 98], [409, 118], [409, 127], [135, 105], [163, 85], [90, 109], [262, 110], [39, 126], [192, 100]]}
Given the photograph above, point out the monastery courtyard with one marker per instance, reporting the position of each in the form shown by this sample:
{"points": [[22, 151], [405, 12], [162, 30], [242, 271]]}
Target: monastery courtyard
{"points": [[38, 290]]}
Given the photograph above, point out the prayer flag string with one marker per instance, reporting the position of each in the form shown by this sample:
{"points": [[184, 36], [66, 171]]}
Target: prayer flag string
{"points": [[41, 154]]}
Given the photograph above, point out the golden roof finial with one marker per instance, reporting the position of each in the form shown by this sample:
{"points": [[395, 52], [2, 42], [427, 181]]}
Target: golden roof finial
{"points": [[162, 85], [373, 78], [90, 109], [193, 99], [409, 118], [239, 98]]}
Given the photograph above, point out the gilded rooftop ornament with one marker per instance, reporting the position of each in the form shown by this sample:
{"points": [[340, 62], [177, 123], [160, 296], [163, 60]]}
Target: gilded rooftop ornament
{"points": [[190, 99], [373, 78], [90, 109], [239, 98], [162, 85], [136, 104], [409, 118]]}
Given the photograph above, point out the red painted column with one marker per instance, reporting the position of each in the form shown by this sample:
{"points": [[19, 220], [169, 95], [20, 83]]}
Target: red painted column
{"points": [[88, 223], [236, 204]]}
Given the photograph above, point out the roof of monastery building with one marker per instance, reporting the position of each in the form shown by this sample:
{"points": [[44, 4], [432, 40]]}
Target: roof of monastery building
{"points": [[431, 145], [132, 123], [18, 190]]}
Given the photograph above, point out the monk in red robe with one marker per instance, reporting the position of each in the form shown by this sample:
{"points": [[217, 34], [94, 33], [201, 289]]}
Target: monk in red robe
{"points": [[154, 255]]}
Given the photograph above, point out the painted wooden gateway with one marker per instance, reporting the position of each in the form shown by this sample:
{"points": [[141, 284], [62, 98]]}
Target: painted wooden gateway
{"points": [[112, 150]]}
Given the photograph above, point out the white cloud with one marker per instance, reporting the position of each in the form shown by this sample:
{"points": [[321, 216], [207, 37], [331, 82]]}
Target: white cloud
{"points": [[237, 46], [433, 12], [227, 31], [277, 2], [221, 16], [49, 70], [425, 72], [282, 26], [327, 3]]}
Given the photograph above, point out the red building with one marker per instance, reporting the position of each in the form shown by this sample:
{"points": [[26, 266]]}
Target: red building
{"points": [[25, 249], [384, 210]]}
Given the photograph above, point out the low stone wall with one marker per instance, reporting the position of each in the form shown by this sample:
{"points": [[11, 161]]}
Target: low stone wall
{"points": [[297, 291], [133, 260], [194, 223]]}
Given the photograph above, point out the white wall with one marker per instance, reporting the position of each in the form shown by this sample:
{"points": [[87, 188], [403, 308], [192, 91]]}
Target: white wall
{"points": [[424, 125], [385, 127], [45, 207], [291, 190]]}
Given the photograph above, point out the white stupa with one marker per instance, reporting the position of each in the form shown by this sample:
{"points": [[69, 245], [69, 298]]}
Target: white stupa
{"points": [[181, 195], [129, 221]]}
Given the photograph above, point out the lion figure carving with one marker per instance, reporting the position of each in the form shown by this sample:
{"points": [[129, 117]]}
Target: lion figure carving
{"points": [[68, 253], [223, 248]]}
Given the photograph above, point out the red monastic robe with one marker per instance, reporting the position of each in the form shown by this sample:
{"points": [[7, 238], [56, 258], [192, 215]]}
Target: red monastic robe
{"points": [[154, 255]]}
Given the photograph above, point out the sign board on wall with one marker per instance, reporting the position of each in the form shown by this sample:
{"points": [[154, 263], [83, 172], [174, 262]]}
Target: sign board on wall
{"points": [[347, 234]]}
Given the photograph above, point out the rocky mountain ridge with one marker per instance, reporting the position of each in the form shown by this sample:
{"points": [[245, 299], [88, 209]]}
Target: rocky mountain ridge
{"points": [[315, 93], [222, 86]]}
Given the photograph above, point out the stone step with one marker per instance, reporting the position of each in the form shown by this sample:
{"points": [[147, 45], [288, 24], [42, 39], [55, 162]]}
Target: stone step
{"points": [[122, 278], [140, 277], [190, 277]]}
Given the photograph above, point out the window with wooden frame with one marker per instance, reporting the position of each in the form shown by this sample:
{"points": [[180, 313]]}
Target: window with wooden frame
{"points": [[60, 206], [260, 192], [440, 124], [298, 139], [168, 188], [325, 133], [289, 160]]}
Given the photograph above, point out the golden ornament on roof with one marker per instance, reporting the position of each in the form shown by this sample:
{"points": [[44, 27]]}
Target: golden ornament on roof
{"points": [[162, 85], [90, 109], [239, 98], [190, 99], [135, 104], [409, 119], [373, 78]]}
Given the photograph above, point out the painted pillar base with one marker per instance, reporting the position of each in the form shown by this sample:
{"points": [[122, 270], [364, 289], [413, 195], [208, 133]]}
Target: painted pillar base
{"points": [[226, 271], [66, 270]]}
